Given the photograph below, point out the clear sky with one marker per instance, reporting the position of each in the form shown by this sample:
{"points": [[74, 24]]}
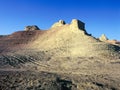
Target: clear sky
{"points": [[100, 16]]}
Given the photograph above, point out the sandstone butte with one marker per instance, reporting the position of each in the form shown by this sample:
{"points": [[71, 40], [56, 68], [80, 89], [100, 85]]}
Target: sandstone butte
{"points": [[61, 40]]}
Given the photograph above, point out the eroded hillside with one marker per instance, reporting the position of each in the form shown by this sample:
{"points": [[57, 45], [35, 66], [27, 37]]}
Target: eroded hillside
{"points": [[69, 57]]}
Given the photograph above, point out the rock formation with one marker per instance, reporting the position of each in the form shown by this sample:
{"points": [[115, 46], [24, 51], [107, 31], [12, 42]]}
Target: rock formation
{"points": [[72, 40], [103, 37], [31, 28], [77, 24], [66, 40], [59, 23]]}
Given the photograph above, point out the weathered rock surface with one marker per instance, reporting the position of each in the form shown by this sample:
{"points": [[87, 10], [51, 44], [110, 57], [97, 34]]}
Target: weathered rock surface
{"points": [[77, 24], [103, 37], [59, 23], [31, 28]]}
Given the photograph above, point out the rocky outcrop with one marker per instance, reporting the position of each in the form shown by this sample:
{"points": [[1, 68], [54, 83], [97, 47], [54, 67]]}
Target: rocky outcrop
{"points": [[77, 24], [59, 23], [74, 25], [103, 37], [73, 40], [31, 28]]}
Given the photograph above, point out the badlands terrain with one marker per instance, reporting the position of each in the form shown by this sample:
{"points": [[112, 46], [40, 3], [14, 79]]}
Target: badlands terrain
{"points": [[65, 57]]}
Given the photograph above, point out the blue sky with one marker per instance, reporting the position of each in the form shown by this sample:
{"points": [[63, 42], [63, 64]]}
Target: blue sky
{"points": [[100, 16]]}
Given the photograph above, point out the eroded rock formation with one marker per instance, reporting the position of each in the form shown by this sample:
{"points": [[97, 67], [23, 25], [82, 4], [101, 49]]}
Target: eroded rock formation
{"points": [[59, 23], [64, 40], [77, 24], [31, 28], [103, 37]]}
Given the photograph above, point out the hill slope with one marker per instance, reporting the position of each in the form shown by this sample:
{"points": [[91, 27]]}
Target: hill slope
{"points": [[63, 53]]}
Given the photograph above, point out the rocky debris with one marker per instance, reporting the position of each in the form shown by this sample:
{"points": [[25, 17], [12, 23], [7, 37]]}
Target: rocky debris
{"points": [[31, 28], [59, 23], [103, 37]]}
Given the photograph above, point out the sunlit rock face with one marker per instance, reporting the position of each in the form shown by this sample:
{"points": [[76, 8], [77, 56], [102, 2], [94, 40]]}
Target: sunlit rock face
{"points": [[59, 23], [77, 24], [31, 28], [103, 37]]}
